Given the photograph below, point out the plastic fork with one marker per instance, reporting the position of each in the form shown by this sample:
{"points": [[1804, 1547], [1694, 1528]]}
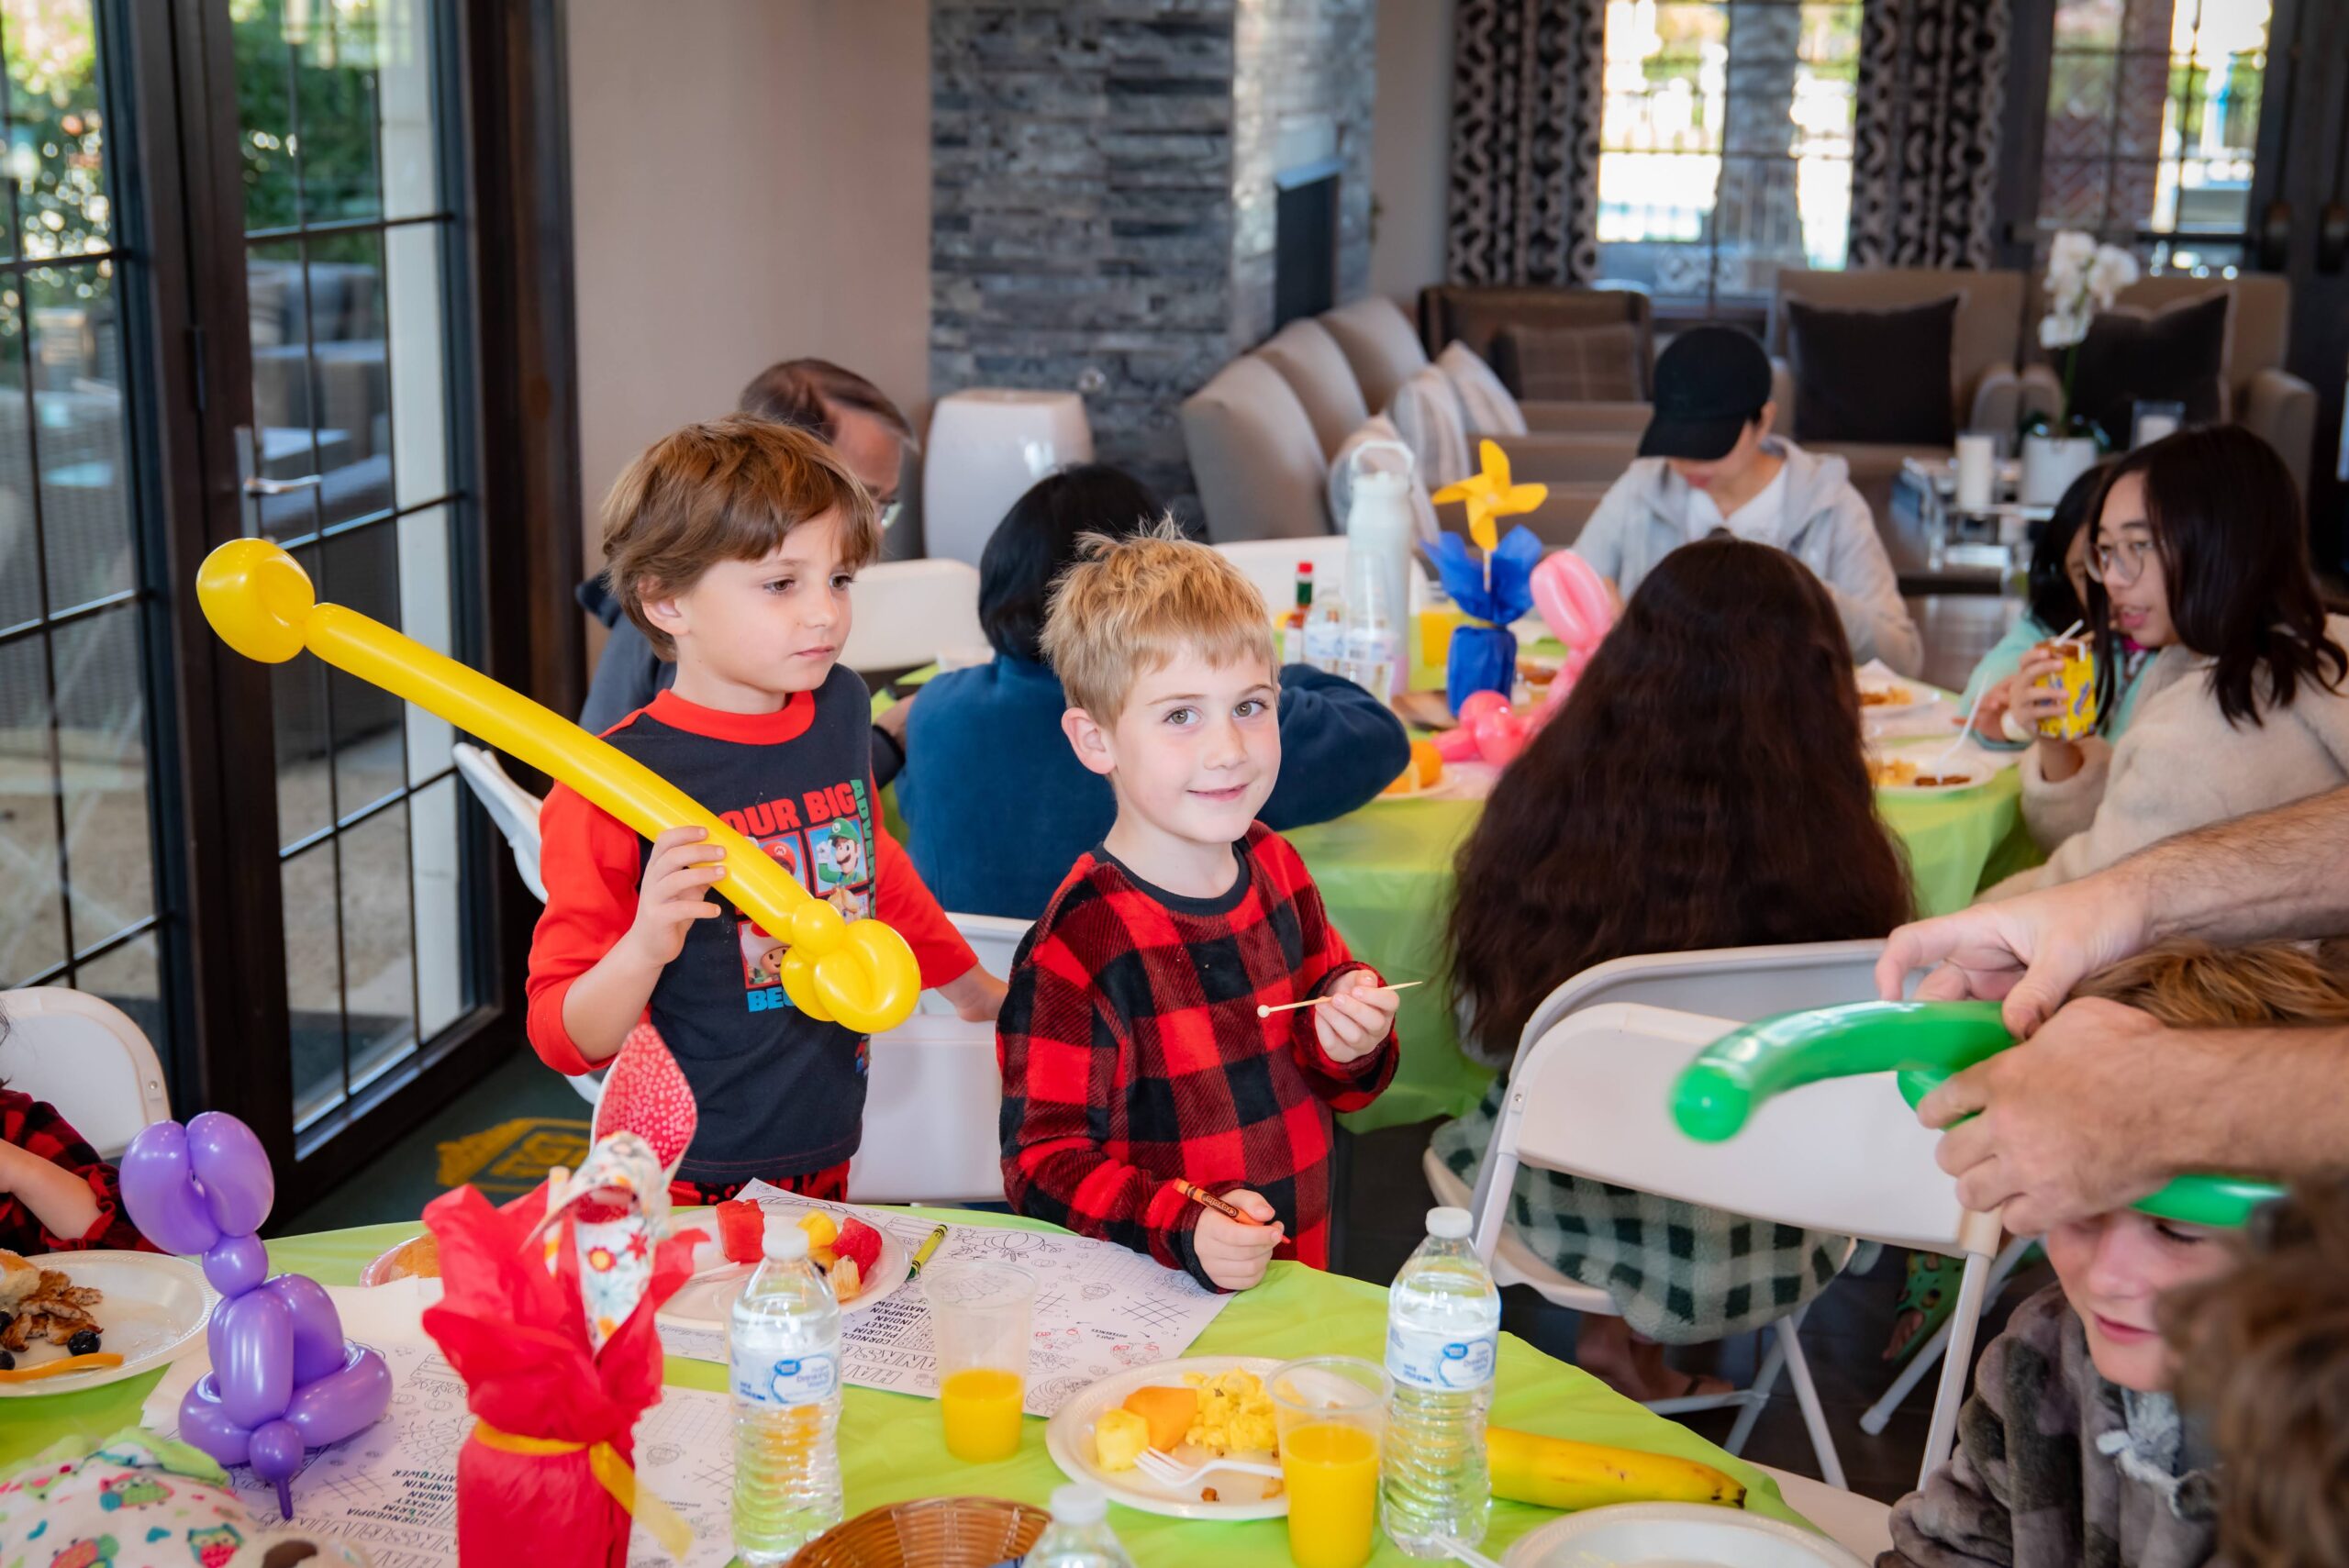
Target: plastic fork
{"points": [[1171, 1473], [1466, 1554]]}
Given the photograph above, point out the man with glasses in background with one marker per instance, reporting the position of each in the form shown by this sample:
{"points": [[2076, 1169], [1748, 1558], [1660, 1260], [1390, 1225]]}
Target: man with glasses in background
{"points": [[872, 437]]}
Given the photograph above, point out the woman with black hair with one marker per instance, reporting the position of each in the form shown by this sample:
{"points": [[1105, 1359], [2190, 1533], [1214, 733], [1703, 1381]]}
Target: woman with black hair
{"points": [[996, 805], [2200, 554], [2055, 599]]}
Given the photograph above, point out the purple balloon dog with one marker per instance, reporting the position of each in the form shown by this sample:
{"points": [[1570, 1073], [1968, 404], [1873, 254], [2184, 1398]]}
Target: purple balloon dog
{"points": [[283, 1379]]}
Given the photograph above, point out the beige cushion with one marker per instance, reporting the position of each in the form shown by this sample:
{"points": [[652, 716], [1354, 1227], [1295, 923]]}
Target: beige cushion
{"points": [[1575, 364], [1379, 343], [1492, 410], [1316, 370], [1378, 427], [1260, 471], [1426, 413]]}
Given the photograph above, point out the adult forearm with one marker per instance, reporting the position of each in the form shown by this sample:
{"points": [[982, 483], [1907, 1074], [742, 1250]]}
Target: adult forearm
{"points": [[2271, 1103], [2281, 873]]}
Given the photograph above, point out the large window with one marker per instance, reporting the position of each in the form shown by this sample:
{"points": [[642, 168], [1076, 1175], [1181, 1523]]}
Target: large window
{"points": [[2153, 117], [1725, 142]]}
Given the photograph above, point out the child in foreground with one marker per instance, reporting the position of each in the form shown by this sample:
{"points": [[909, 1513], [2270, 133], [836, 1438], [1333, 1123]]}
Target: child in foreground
{"points": [[2263, 1357], [2072, 1449], [1133, 1055], [732, 546]]}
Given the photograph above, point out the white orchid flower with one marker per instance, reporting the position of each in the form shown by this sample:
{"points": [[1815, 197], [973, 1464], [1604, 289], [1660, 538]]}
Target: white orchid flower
{"points": [[2061, 330]]}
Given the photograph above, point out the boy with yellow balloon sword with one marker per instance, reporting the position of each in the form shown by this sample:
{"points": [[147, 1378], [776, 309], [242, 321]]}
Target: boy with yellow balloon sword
{"points": [[731, 545]]}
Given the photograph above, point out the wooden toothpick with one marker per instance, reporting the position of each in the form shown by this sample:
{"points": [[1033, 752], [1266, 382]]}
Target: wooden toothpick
{"points": [[1263, 1011]]}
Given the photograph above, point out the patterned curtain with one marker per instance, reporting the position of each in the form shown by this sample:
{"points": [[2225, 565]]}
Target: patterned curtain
{"points": [[1527, 78], [1925, 163]]}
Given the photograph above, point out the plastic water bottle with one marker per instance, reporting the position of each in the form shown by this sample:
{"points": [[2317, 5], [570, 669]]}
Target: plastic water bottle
{"points": [[784, 1354], [1079, 1535], [1371, 631], [1443, 1323]]}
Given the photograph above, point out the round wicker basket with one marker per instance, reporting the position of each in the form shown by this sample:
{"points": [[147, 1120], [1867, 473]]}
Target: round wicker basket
{"points": [[934, 1532]]}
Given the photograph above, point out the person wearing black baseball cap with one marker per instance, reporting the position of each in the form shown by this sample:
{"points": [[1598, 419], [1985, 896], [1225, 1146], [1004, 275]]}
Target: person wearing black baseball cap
{"points": [[1708, 465]]}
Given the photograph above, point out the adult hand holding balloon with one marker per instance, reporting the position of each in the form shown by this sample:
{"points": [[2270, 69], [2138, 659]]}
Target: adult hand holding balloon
{"points": [[282, 1377], [261, 602]]}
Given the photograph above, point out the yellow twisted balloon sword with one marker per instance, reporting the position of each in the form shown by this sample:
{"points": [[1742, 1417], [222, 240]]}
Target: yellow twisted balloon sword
{"points": [[1490, 494], [260, 600]]}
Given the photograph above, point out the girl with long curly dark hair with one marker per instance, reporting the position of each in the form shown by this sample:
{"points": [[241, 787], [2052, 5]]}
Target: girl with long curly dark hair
{"points": [[1703, 787]]}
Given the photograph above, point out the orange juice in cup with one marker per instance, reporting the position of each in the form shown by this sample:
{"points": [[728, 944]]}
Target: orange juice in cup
{"points": [[2077, 682], [981, 1405], [1330, 1412], [978, 1323]]}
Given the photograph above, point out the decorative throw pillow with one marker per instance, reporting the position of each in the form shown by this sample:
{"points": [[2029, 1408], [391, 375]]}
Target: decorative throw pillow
{"points": [[1872, 375], [1572, 364], [1491, 410], [2177, 355], [1428, 417], [1377, 428]]}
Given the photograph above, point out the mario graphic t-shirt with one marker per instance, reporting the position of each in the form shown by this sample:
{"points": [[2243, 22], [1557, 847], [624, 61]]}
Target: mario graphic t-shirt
{"points": [[779, 1093]]}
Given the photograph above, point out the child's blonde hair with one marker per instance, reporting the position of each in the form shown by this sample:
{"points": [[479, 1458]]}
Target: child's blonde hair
{"points": [[1133, 604], [728, 489]]}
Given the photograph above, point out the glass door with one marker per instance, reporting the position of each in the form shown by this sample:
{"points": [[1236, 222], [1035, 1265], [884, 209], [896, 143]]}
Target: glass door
{"points": [[80, 761], [348, 461]]}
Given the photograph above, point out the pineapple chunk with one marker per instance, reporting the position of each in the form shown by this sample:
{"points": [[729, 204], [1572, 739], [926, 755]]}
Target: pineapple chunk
{"points": [[846, 1283], [1118, 1438]]}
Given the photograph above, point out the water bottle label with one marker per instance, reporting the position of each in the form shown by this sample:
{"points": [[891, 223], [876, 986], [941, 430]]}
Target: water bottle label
{"points": [[1419, 1358], [785, 1381]]}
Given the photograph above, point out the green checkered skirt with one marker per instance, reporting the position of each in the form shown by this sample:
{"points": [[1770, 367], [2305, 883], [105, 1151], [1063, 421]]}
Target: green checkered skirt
{"points": [[1680, 1274]]}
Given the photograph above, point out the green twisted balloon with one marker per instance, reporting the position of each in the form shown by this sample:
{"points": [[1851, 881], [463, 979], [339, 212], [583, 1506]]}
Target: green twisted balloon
{"points": [[1924, 1043]]}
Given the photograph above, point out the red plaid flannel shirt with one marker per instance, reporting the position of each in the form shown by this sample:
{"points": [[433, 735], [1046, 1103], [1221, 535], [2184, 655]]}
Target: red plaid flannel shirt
{"points": [[1131, 1054], [34, 1125]]}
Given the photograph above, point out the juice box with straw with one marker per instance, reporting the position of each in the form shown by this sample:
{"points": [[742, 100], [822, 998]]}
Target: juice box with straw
{"points": [[2076, 681]]}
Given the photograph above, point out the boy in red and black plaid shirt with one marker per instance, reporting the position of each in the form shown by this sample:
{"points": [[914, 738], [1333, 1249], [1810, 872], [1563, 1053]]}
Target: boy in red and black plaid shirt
{"points": [[1131, 1049]]}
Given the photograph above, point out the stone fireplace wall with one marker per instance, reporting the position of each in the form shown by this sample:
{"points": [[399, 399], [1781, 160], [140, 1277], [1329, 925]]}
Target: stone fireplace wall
{"points": [[1103, 181]]}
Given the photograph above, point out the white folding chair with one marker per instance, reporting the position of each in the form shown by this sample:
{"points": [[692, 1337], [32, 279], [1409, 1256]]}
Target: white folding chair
{"points": [[911, 613], [995, 937], [1590, 1096], [85, 1056], [931, 1098], [512, 807]]}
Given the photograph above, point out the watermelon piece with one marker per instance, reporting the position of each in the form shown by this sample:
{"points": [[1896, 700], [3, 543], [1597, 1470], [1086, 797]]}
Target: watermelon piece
{"points": [[860, 1241], [742, 1230]]}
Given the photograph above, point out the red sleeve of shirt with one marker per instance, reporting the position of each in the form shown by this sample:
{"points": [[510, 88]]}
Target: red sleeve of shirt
{"points": [[34, 1127], [590, 862], [1343, 1086], [904, 902], [1060, 1060]]}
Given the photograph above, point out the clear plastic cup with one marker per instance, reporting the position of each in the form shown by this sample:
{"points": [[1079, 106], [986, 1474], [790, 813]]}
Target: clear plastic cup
{"points": [[979, 1316], [1330, 1412]]}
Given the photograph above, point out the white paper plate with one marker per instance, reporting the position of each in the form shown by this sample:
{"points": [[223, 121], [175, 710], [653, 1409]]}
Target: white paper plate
{"points": [[706, 1301], [1965, 775], [1919, 698], [1681, 1535], [1068, 1438], [154, 1309]]}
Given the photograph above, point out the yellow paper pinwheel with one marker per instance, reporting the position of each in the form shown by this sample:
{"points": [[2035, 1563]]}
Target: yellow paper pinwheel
{"points": [[1490, 494]]}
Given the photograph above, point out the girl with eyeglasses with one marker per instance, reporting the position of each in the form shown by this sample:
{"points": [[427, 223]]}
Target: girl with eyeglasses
{"points": [[2200, 554], [2006, 704]]}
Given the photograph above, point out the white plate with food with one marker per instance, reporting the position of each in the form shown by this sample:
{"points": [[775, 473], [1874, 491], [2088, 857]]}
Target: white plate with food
{"points": [[1072, 1438], [1684, 1535], [144, 1306], [1906, 775], [707, 1300], [1893, 699]]}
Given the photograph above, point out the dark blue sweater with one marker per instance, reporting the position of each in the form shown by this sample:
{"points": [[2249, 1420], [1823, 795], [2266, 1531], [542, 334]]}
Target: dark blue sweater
{"points": [[997, 807]]}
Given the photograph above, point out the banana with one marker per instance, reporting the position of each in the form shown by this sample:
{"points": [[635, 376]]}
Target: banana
{"points": [[1556, 1472]]}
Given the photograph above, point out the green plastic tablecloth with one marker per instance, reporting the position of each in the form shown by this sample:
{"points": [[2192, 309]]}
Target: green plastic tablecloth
{"points": [[1385, 874], [892, 1447]]}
